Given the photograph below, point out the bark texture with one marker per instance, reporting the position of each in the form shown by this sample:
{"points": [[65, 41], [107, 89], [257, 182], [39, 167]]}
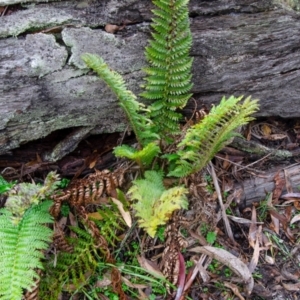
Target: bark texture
{"points": [[240, 47], [258, 186]]}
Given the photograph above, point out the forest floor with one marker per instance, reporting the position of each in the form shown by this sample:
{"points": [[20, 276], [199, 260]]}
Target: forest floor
{"points": [[203, 250]]}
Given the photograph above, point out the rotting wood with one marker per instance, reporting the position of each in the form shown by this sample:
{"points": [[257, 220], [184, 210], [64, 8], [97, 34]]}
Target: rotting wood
{"points": [[258, 185]]}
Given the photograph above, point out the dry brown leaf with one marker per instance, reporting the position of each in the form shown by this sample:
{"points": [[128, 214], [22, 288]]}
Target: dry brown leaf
{"points": [[62, 223], [133, 285], [231, 261], [125, 214], [150, 266], [243, 220], [72, 219], [265, 241], [235, 289], [266, 130], [226, 162], [276, 136], [103, 282], [288, 275], [275, 222], [295, 219], [297, 205], [269, 259], [95, 215], [198, 268], [290, 196], [255, 256], [111, 28], [93, 164], [291, 287], [252, 228], [288, 212], [282, 218]]}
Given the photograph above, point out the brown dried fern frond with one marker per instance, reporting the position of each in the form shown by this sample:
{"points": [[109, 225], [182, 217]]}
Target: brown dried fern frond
{"points": [[89, 190]]}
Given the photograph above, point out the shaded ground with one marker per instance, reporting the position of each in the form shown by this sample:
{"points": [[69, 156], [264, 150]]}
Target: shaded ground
{"points": [[264, 235]]}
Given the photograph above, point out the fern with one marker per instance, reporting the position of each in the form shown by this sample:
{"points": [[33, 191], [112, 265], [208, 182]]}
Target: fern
{"points": [[20, 249], [169, 72], [142, 157], [110, 223], [155, 204], [205, 139], [68, 271], [134, 110]]}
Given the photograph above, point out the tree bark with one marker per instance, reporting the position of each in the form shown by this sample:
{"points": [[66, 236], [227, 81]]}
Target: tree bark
{"points": [[241, 47]]}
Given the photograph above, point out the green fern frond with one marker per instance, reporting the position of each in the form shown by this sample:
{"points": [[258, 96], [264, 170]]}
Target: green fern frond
{"points": [[155, 204], [169, 71], [135, 111], [110, 224], [21, 248], [67, 270], [205, 139], [142, 157]]}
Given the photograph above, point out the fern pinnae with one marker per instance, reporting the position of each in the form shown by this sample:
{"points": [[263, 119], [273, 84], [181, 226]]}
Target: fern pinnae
{"points": [[70, 268], [20, 249], [135, 111], [203, 140], [169, 71], [143, 157], [155, 204]]}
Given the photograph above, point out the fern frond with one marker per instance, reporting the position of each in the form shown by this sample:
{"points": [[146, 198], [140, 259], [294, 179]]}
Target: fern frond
{"points": [[142, 157], [69, 269], [135, 111], [111, 223], [169, 70], [155, 204], [20, 249], [205, 139]]}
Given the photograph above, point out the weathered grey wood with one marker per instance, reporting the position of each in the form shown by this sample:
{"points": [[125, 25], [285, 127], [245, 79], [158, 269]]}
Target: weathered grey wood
{"points": [[240, 47], [259, 185]]}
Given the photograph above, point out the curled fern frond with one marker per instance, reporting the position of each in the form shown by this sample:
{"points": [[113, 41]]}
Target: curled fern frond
{"points": [[134, 110], [205, 139], [20, 249], [155, 204], [143, 157], [169, 72]]}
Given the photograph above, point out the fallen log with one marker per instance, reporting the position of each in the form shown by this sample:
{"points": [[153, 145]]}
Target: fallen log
{"points": [[240, 47]]}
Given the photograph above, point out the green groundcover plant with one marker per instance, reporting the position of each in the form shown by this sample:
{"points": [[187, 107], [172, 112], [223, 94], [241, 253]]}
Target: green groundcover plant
{"points": [[157, 126]]}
